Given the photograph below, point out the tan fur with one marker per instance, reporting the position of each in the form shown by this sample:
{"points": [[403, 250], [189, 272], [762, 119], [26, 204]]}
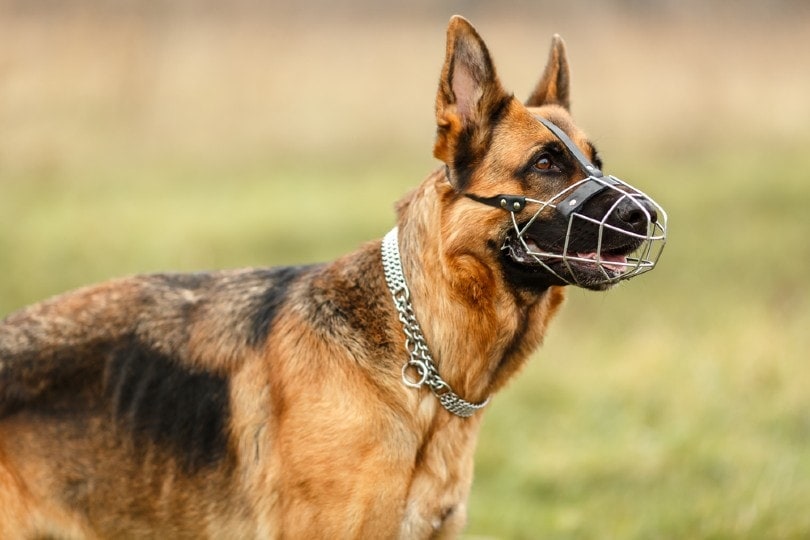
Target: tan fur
{"points": [[320, 437]]}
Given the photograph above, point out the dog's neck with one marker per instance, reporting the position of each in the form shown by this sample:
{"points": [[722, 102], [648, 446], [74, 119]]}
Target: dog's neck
{"points": [[478, 328]]}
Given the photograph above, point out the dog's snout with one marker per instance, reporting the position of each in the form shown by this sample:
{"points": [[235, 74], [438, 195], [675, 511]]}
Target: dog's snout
{"points": [[636, 212]]}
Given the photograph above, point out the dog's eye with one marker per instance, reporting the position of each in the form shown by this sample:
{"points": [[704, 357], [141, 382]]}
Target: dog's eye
{"points": [[546, 164]]}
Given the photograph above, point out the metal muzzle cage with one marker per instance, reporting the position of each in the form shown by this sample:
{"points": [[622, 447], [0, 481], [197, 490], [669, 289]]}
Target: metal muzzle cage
{"points": [[648, 233]]}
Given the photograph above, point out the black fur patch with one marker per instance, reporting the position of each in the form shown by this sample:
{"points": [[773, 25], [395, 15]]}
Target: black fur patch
{"points": [[169, 404], [50, 380], [464, 159], [268, 302], [520, 276], [467, 154], [499, 110]]}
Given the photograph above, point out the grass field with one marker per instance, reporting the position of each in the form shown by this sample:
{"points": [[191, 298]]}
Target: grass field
{"points": [[676, 406]]}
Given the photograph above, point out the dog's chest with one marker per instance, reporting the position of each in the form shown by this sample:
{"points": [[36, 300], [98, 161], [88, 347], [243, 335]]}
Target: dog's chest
{"points": [[436, 505], [437, 522]]}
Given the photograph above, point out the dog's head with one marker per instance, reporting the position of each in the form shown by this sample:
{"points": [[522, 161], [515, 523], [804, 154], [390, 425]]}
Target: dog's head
{"points": [[528, 180]]}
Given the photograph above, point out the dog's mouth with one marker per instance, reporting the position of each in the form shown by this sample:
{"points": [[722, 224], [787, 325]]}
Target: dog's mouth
{"points": [[586, 264], [615, 235]]}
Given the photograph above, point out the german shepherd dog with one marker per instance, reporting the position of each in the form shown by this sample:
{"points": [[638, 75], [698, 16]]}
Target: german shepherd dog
{"points": [[308, 402]]}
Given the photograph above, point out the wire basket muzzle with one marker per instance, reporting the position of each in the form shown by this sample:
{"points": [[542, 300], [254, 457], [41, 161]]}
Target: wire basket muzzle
{"points": [[613, 232]]}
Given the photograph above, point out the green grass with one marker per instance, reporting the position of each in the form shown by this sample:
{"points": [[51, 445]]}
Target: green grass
{"points": [[675, 406]]}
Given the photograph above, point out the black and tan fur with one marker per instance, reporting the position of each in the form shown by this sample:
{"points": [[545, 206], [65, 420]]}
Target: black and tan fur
{"points": [[268, 403]]}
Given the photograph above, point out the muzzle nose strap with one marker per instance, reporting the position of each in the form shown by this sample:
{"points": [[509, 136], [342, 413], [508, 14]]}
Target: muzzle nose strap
{"points": [[589, 188]]}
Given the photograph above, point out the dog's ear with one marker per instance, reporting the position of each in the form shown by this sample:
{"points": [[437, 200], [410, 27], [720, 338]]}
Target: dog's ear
{"points": [[470, 96], [554, 84]]}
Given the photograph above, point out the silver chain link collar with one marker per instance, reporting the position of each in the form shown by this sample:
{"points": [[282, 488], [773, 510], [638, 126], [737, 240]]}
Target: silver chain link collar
{"points": [[420, 360]]}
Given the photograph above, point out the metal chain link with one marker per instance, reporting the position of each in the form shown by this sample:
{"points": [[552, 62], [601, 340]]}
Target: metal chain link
{"points": [[420, 361]]}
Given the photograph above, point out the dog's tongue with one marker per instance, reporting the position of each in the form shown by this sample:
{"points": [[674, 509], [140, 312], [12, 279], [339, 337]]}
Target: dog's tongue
{"points": [[617, 263], [613, 262]]}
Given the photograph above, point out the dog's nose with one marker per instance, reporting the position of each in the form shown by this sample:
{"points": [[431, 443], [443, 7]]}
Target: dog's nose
{"points": [[636, 211]]}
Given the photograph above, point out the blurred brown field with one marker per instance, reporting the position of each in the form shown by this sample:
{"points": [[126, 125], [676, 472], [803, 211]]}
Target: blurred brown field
{"points": [[86, 84], [138, 137]]}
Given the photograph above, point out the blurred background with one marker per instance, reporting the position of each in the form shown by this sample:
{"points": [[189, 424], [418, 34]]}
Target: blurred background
{"points": [[186, 135]]}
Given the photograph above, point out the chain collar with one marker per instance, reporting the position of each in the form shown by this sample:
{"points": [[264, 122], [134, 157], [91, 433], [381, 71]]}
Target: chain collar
{"points": [[420, 360]]}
